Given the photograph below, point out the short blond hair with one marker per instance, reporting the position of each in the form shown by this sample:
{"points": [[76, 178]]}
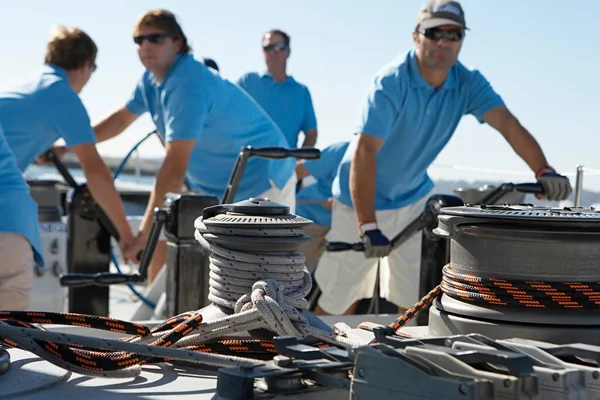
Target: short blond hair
{"points": [[70, 48]]}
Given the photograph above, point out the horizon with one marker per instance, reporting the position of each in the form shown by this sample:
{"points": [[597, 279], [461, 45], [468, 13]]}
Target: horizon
{"points": [[541, 71]]}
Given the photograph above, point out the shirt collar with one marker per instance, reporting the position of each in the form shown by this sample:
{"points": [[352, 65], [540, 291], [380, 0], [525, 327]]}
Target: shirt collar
{"points": [[56, 70], [265, 74], [178, 61], [417, 80]]}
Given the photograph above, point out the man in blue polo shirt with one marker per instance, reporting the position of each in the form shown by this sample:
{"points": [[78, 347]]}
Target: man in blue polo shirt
{"points": [[20, 245], [286, 101], [205, 120], [408, 115], [314, 201], [47, 107]]}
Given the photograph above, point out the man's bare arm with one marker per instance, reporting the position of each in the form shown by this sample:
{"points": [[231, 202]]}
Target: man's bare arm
{"points": [[363, 175], [114, 124], [310, 138], [301, 171], [522, 142], [169, 178]]}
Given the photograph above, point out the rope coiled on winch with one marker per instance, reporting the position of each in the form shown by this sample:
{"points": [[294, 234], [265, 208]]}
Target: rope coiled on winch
{"points": [[491, 291], [271, 286]]}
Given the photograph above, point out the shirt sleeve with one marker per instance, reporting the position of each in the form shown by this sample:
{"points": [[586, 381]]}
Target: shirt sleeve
{"points": [[136, 104], [482, 96], [185, 108], [378, 111], [243, 81], [70, 119], [310, 120]]}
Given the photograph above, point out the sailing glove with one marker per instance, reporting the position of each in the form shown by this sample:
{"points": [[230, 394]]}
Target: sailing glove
{"points": [[376, 244], [556, 186]]}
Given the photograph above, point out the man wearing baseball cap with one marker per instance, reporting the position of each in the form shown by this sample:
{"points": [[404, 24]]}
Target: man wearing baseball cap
{"points": [[408, 115]]}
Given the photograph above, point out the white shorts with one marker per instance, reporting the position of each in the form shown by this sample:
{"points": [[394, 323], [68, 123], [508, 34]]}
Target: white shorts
{"points": [[285, 195], [347, 276]]}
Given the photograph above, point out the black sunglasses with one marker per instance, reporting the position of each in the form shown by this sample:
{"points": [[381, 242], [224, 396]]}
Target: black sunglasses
{"points": [[435, 34], [277, 47], [152, 38]]}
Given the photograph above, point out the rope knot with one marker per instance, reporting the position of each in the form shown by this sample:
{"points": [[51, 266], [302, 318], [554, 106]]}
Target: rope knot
{"points": [[268, 299]]}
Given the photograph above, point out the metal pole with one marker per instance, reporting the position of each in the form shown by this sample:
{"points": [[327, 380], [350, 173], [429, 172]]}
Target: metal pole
{"points": [[578, 186]]}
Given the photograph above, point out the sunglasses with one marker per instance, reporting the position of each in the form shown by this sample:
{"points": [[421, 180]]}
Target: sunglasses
{"points": [[451, 35], [276, 47], [153, 38]]}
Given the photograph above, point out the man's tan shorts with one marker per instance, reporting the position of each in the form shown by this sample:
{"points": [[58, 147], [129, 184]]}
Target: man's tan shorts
{"points": [[16, 271]]}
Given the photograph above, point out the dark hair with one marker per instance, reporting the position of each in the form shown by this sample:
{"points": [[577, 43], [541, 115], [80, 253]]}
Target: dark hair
{"points": [[209, 62], [166, 21], [285, 36], [70, 48]]}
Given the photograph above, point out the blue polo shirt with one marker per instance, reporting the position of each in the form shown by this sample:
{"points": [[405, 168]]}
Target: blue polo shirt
{"points": [[41, 110], [324, 171], [18, 211], [194, 102], [415, 121], [288, 103]]}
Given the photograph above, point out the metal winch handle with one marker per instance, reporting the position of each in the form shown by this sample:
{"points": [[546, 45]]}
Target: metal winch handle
{"points": [[415, 226], [108, 278], [505, 188], [263, 152], [428, 218]]}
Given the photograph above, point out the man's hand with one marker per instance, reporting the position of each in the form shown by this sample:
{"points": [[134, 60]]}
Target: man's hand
{"points": [[132, 249], [556, 187], [124, 245], [328, 204], [59, 150], [376, 244]]}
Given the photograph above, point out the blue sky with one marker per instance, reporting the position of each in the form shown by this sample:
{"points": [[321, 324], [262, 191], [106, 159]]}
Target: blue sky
{"points": [[541, 56]]}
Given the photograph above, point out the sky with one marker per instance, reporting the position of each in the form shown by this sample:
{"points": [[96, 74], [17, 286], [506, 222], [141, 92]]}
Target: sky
{"points": [[540, 56]]}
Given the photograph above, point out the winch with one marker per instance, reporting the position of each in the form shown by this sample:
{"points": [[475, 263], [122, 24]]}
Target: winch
{"points": [[251, 241], [520, 271]]}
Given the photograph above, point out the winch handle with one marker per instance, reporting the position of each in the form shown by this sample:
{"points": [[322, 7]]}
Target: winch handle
{"points": [[109, 278], [280, 152], [500, 191], [426, 220], [532, 188], [415, 226], [64, 172], [265, 152]]}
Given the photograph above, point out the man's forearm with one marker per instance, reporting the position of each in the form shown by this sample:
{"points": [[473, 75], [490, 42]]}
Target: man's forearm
{"points": [[166, 181], [363, 174], [525, 145], [103, 190], [310, 138], [110, 127]]}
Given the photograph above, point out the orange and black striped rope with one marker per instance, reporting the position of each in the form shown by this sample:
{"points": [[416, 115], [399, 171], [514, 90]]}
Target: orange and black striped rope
{"points": [[106, 360], [505, 293]]}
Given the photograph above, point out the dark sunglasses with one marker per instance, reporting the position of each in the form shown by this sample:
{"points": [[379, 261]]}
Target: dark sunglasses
{"points": [[94, 67], [435, 34], [277, 47], [153, 38]]}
